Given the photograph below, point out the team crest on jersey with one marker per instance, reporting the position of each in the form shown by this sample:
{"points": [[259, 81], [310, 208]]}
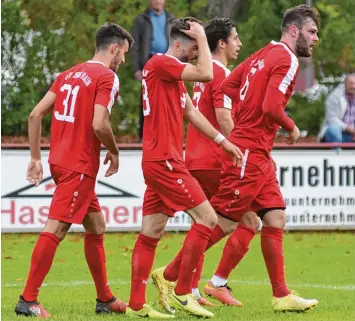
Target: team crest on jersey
{"points": [[201, 85], [259, 64]]}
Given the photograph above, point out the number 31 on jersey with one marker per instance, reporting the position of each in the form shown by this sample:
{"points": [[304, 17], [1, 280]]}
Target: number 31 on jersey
{"points": [[72, 94]]}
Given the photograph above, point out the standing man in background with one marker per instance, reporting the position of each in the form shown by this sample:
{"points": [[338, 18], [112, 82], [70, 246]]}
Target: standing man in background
{"points": [[151, 36]]}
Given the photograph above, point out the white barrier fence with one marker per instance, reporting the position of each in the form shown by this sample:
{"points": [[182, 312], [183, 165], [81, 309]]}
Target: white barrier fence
{"points": [[318, 187]]}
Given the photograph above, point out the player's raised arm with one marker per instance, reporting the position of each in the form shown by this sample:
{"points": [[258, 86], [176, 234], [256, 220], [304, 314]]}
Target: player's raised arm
{"points": [[203, 71], [34, 170], [187, 41], [200, 122]]}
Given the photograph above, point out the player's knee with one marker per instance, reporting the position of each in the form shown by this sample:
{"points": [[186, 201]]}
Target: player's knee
{"points": [[251, 220], [156, 232], [59, 229], [211, 220], [99, 229], [275, 218], [226, 225], [228, 229], [282, 221], [94, 223]]}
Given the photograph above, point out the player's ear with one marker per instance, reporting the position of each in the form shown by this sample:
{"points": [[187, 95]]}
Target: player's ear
{"points": [[177, 45], [294, 31], [221, 43], [114, 49]]}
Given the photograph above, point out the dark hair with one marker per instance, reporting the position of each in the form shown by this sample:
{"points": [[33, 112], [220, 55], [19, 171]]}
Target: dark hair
{"points": [[298, 16], [218, 29], [181, 24], [111, 33]]}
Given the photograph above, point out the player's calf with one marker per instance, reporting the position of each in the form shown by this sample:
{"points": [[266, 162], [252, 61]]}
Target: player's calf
{"points": [[30, 309]]}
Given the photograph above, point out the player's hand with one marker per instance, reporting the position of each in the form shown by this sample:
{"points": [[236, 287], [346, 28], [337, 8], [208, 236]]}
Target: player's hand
{"points": [[293, 136], [35, 172], [195, 31], [234, 151], [114, 164], [138, 75]]}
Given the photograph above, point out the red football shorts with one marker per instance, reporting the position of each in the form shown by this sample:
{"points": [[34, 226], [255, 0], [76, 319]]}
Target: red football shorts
{"points": [[208, 180], [73, 197], [170, 188], [252, 187]]}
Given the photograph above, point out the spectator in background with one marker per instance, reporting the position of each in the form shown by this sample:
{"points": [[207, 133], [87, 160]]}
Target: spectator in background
{"points": [[151, 36], [339, 122]]}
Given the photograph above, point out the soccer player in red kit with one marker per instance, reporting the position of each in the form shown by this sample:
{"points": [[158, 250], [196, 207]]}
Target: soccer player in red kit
{"points": [[202, 156], [170, 187], [262, 85], [80, 100]]}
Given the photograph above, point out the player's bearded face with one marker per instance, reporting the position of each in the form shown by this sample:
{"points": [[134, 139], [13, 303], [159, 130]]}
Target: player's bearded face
{"points": [[119, 58], [189, 52], [303, 47], [307, 39]]}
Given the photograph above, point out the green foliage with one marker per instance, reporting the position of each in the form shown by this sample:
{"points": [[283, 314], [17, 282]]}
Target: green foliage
{"points": [[307, 114], [41, 38]]}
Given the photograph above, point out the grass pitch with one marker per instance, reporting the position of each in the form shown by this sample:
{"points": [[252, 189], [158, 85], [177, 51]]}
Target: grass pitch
{"points": [[318, 265]]}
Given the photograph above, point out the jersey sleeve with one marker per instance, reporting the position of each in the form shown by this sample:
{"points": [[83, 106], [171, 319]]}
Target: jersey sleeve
{"points": [[274, 108], [54, 88], [220, 100], [230, 86], [169, 68], [283, 71], [107, 90]]}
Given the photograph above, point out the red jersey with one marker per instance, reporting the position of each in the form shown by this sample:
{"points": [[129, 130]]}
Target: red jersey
{"points": [[201, 152], [163, 103], [74, 145], [262, 82]]}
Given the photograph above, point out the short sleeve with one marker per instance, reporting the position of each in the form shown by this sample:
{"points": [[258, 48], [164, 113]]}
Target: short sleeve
{"points": [[283, 71], [220, 100], [169, 68], [107, 90], [54, 88]]}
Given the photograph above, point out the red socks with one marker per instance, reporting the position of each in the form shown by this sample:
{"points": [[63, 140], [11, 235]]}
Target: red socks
{"points": [[236, 247], [41, 262], [96, 260], [171, 272], [271, 246], [142, 262], [194, 246], [217, 235], [197, 275]]}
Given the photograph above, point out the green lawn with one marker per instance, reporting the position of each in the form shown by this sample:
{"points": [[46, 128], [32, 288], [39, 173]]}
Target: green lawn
{"points": [[318, 265]]}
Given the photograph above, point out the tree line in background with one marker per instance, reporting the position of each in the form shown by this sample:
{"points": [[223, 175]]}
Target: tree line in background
{"points": [[40, 38]]}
